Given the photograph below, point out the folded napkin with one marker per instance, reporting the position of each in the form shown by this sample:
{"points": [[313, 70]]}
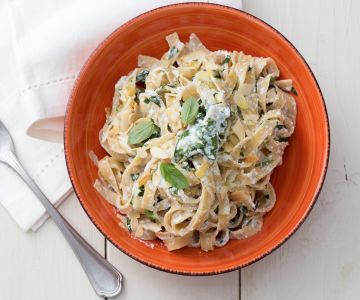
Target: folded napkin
{"points": [[50, 42]]}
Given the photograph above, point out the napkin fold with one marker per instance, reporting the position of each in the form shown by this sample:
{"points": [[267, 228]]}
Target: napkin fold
{"points": [[50, 41]]}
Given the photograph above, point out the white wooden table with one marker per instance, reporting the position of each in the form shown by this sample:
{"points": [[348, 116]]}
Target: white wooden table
{"points": [[321, 261]]}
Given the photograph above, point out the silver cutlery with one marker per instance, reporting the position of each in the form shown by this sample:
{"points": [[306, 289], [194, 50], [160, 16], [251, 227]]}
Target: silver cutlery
{"points": [[105, 279]]}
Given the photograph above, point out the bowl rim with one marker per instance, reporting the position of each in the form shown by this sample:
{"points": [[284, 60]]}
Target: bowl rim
{"points": [[68, 113]]}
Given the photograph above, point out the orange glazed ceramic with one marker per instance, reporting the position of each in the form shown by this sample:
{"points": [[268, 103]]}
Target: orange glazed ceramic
{"points": [[297, 181]]}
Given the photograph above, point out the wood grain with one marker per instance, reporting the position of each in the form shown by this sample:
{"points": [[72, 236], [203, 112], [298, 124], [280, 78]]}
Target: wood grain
{"points": [[142, 281], [322, 260], [41, 265]]}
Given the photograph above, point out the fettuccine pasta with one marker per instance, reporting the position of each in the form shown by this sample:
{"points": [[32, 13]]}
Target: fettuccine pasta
{"points": [[192, 139]]}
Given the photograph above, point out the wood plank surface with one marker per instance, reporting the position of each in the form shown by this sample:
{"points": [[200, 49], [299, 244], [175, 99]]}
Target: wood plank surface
{"points": [[322, 260], [41, 265], [143, 282]]}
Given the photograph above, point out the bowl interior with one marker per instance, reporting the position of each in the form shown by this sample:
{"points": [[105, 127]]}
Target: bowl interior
{"points": [[297, 182]]}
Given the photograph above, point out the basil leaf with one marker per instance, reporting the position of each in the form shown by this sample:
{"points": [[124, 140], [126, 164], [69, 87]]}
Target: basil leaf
{"points": [[226, 60], [128, 221], [173, 176], [211, 142], [243, 210], [201, 114], [172, 52], [150, 215], [239, 112], [173, 190], [141, 132], [189, 111], [153, 99], [294, 91], [233, 112], [138, 92], [207, 144], [211, 148], [179, 153], [134, 176], [264, 163], [141, 191], [280, 126], [141, 76], [217, 74], [156, 133]]}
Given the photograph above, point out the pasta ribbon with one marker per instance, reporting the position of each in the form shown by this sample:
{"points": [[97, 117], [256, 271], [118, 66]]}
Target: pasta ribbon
{"points": [[192, 139]]}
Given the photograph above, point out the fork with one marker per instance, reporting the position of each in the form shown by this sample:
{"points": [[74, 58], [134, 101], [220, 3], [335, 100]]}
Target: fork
{"points": [[104, 278]]}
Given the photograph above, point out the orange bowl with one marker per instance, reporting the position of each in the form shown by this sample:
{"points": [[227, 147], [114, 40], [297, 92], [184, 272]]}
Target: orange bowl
{"points": [[297, 181]]}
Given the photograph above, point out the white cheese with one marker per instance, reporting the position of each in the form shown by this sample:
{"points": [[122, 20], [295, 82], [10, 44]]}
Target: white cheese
{"points": [[204, 132], [219, 113]]}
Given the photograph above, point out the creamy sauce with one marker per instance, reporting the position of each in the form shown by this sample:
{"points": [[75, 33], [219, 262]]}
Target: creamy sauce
{"points": [[200, 136]]}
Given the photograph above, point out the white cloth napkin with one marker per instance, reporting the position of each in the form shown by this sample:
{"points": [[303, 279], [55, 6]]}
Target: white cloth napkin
{"points": [[50, 42]]}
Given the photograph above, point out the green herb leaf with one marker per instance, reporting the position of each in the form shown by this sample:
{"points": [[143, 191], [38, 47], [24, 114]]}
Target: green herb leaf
{"points": [[189, 111], [210, 152], [134, 176], [172, 52], [217, 74], [141, 191], [141, 76], [138, 92], [206, 144], [202, 113], [243, 210], [153, 99], [226, 60], [280, 126], [141, 132], [150, 215], [294, 91], [179, 153], [173, 176], [128, 221], [173, 190], [272, 80], [264, 162], [239, 112], [233, 112]]}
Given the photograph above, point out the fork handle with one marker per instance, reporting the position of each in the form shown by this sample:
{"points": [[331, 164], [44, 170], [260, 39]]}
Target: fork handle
{"points": [[105, 279]]}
